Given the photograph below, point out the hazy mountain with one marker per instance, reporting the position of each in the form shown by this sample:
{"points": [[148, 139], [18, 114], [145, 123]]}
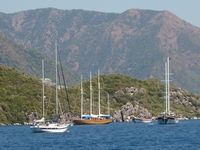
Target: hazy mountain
{"points": [[29, 61], [135, 42]]}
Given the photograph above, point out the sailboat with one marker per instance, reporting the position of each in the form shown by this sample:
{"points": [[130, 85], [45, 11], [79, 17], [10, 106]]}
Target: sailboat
{"points": [[49, 125], [167, 117], [92, 119]]}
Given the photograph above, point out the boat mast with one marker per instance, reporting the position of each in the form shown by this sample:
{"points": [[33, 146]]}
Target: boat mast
{"points": [[56, 79], [168, 92], [81, 98], [99, 93], [43, 87], [166, 95], [90, 93]]}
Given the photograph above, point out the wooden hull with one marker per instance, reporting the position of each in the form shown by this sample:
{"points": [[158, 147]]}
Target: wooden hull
{"points": [[91, 121]]}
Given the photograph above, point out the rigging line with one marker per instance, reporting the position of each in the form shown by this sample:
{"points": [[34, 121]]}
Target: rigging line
{"points": [[61, 90], [64, 82], [62, 111], [60, 108], [48, 101]]}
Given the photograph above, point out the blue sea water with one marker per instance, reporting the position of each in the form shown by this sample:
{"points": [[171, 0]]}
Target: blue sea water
{"points": [[127, 136]]}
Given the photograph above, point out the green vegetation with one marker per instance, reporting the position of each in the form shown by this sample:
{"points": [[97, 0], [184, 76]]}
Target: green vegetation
{"points": [[116, 84], [21, 95]]}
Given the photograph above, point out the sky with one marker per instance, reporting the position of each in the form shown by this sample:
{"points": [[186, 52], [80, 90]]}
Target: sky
{"points": [[188, 10]]}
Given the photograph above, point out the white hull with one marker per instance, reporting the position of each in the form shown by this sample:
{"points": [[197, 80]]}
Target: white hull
{"points": [[172, 121], [54, 128], [140, 120]]}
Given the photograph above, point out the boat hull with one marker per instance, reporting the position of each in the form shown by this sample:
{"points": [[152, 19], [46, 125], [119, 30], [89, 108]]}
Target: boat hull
{"points": [[142, 120], [55, 128], [167, 120], [91, 121]]}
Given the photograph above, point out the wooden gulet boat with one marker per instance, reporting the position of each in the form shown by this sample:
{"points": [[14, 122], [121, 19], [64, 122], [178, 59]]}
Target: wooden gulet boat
{"points": [[92, 119]]}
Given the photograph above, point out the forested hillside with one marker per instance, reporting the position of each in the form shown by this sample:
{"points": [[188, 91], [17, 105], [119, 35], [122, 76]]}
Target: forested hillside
{"points": [[21, 96]]}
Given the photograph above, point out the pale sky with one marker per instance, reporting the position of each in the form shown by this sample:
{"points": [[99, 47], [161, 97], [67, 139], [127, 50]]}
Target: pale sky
{"points": [[188, 10]]}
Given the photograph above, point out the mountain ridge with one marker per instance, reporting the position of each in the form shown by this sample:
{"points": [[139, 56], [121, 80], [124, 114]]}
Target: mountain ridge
{"points": [[135, 42], [29, 61]]}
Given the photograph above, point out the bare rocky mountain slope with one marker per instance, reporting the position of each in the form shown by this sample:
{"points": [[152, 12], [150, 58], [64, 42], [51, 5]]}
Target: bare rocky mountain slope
{"points": [[135, 42]]}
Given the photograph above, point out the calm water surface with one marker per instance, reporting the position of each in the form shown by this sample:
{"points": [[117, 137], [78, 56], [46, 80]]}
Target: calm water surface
{"points": [[127, 136]]}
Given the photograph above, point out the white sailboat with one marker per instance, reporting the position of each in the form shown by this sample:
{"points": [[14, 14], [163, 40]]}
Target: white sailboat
{"points": [[167, 117], [49, 125]]}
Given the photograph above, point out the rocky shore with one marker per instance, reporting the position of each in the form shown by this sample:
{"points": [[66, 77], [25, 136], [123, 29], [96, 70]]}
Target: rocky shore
{"points": [[127, 113], [14, 124]]}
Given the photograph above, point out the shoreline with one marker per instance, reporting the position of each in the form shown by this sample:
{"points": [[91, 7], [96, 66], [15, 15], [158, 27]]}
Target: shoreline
{"points": [[25, 123]]}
